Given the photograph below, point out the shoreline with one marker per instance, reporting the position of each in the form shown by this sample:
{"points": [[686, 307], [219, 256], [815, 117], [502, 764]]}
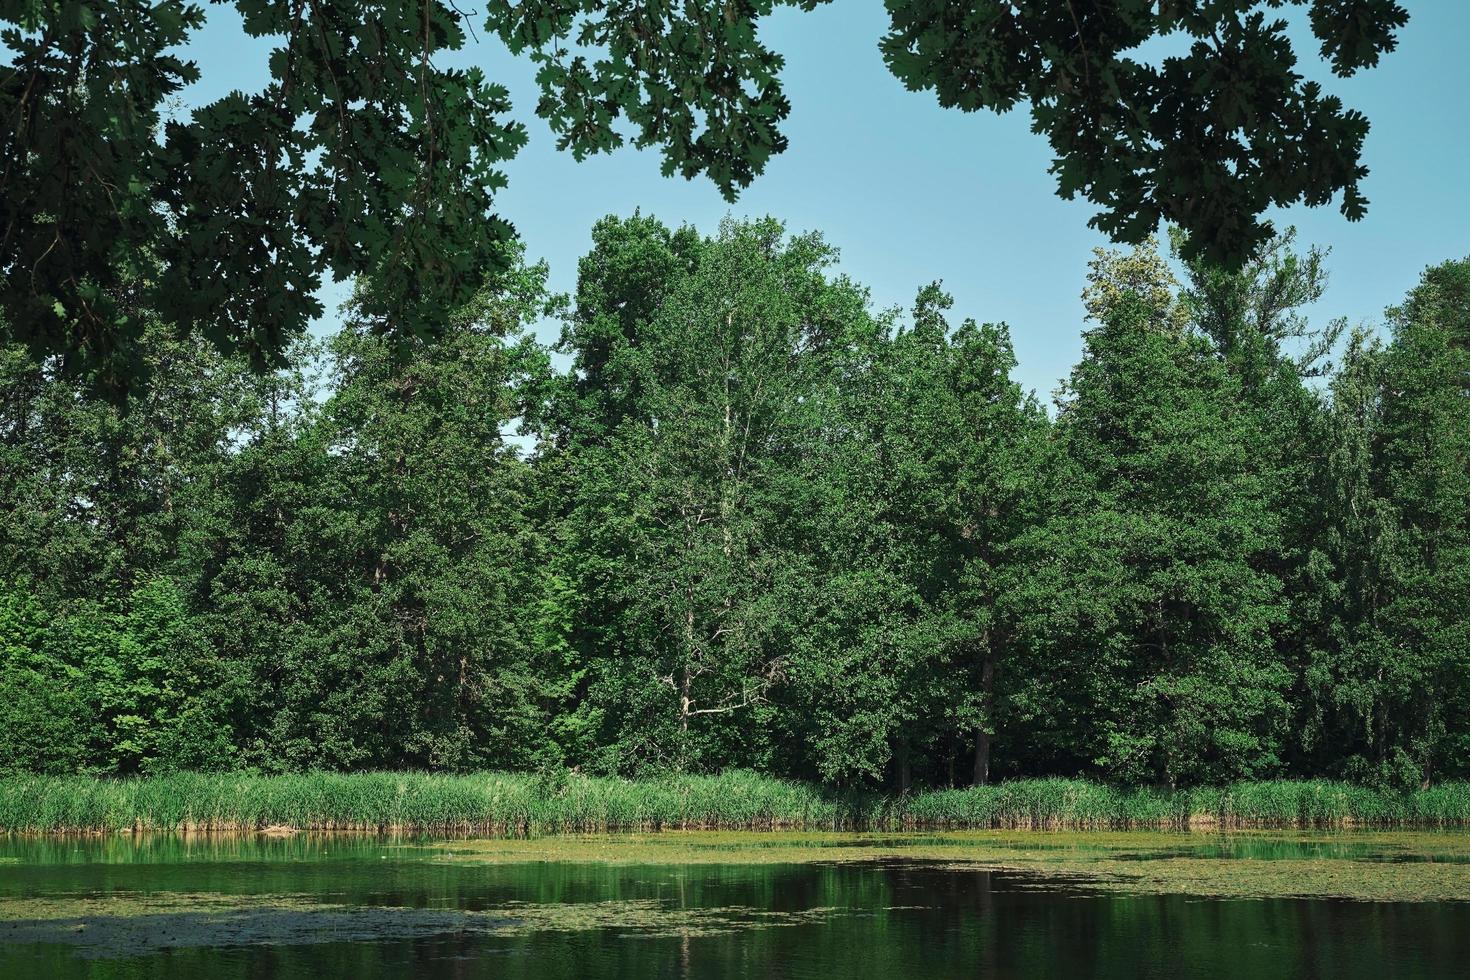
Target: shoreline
{"points": [[507, 804]]}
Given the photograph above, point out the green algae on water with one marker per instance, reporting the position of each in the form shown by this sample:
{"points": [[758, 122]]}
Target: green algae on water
{"points": [[135, 924], [1388, 867], [139, 918]]}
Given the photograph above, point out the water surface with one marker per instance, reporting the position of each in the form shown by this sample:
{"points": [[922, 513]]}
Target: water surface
{"points": [[738, 905]]}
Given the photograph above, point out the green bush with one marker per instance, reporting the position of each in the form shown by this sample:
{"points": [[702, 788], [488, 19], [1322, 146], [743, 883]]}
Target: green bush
{"points": [[108, 685]]}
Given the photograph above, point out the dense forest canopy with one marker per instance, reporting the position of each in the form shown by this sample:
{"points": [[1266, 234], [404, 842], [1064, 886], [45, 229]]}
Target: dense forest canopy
{"points": [[762, 524], [365, 155]]}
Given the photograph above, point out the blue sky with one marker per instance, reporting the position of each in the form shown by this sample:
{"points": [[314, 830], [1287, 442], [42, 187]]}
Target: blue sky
{"points": [[911, 192]]}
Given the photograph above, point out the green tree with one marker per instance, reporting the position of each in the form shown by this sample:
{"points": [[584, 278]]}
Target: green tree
{"points": [[107, 518], [360, 155], [932, 481], [681, 516], [621, 284], [96, 496], [111, 686], [385, 586], [44, 717], [1253, 318], [1389, 679], [1182, 668]]}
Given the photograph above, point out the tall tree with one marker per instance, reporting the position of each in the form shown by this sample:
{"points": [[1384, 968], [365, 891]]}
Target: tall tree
{"points": [[385, 586], [1180, 647], [683, 512], [105, 519], [621, 284], [1254, 319], [1389, 679], [359, 155], [932, 483]]}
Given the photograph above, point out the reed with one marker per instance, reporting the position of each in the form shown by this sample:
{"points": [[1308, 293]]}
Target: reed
{"points": [[506, 803]]}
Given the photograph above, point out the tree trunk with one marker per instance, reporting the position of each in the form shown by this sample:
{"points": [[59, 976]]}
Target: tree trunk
{"points": [[686, 680], [982, 756], [982, 733], [684, 685]]}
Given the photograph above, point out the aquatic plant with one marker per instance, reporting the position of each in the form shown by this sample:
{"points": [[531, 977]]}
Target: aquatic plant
{"points": [[520, 803]]}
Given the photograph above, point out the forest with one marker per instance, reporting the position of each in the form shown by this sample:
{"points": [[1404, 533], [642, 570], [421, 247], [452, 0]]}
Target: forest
{"points": [[740, 517]]}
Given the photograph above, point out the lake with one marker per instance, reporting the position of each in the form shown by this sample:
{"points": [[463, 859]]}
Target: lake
{"points": [[701, 904]]}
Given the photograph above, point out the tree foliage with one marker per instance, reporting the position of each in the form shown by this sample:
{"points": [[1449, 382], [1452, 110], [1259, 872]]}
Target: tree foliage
{"points": [[740, 518], [360, 155], [363, 156], [1207, 138]]}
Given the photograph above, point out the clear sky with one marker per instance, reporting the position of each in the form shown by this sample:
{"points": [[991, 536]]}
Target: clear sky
{"points": [[911, 192]]}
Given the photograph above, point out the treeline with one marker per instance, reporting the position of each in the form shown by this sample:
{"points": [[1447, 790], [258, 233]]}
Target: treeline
{"points": [[757, 523]]}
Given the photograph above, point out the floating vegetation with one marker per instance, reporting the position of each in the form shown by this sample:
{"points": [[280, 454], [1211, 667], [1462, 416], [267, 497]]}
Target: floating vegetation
{"points": [[135, 924], [1402, 867], [163, 892], [1228, 878]]}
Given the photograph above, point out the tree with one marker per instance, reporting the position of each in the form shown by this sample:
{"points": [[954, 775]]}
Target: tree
{"points": [[94, 497], [621, 285], [931, 482], [108, 520], [110, 685], [1254, 322], [1425, 470], [1207, 139], [385, 587], [685, 492], [44, 716], [1185, 685], [361, 156], [1388, 680], [763, 525]]}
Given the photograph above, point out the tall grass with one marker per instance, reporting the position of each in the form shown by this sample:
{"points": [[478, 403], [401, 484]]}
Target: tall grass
{"points": [[509, 803]]}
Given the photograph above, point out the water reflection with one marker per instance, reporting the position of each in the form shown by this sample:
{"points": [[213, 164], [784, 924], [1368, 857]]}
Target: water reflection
{"points": [[367, 908]]}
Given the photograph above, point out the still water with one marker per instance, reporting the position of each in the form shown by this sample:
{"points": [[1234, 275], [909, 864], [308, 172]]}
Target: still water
{"points": [[736, 905]]}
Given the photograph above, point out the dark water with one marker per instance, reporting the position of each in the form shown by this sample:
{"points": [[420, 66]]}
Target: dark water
{"points": [[366, 909]]}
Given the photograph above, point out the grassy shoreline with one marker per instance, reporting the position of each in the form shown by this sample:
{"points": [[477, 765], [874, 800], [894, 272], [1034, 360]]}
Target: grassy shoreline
{"points": [[502, 803]]}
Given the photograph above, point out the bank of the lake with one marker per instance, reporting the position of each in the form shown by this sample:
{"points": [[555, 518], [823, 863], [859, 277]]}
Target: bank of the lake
{"points": [[503, 803]]}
